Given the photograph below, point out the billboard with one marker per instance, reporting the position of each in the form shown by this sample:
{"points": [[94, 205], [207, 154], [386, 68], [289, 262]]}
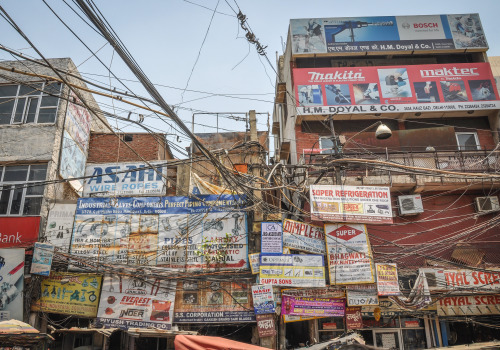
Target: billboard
{"points": [[304, 237], [388, 34], [60, 225], [359, 204], [19, 232], [461, 280], [317, 307], [128, 302], [387, 279], [125, 179], [172, 232], [12, 277], [68, 293], [395, 89], [292, 270], [73, 158], [214, 302], [349, 254], [78, 123]]}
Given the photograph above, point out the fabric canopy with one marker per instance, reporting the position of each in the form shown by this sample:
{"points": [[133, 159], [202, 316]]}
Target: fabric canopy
{"points": [[199, 342]]}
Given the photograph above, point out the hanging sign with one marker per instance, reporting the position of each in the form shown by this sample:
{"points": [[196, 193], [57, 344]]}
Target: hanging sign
{"points": [[303, 237], [362, 294], [349, 254], [263, 300], [42, 259], [253, 259], [266, 325], [271, 238], [292, 270], [387, 279], [353, 318]]}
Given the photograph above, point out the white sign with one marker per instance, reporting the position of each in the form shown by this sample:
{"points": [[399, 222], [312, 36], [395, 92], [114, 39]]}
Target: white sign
{"points": [[462, 280], [253, 259], [349, 255], [263, 299], [387, 279], [12, 277], [125, 179], [60, 225], [469, 305], [42, 259], [303, 237], [292, 270], [271, 238], [359, 204], [362, 295]]}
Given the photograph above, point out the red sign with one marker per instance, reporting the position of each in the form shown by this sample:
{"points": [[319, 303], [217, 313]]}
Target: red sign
{"points": [[345, 232], [19, 232], [395, 89], [412, 324], [330, 325], [353, 318], [266, 325]]}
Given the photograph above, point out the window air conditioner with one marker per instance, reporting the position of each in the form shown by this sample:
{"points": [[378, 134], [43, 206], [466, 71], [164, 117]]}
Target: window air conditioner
{"points": [[485, 204], [410, 205]]}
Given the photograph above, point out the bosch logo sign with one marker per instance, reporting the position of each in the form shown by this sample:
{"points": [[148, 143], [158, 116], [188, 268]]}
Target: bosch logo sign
{"points": [[425, 25]]}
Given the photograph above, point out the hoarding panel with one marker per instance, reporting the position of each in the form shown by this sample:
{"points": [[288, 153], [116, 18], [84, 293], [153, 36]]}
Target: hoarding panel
{"points": [[78, 122], [12, 277], [312, 307], [395, 89], [292, 270], [72, 163], [304, 237]]}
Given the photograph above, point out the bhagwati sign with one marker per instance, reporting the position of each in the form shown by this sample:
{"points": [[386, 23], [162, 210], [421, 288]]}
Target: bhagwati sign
{"points": [[395, 89], [360, 204]]}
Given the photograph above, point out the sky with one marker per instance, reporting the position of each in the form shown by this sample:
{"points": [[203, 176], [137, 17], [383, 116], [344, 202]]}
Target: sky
{"points": [[199, 59]]}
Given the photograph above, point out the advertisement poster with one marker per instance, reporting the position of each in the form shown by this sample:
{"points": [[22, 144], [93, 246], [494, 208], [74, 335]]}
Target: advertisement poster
{"points": [[72, 163], [362, 294], [42, 259], [292, 270], [266, 325], [60, 226], [460, 280], [388, 34], [12, 277], [325, 292], [387, 279], [315, 307], [253, 260], [389, 308], [67, 293], [78, 122], [396, 89], [128, 302], [478, 305], [349, 254], [214, 302], [125, 179], [172, 232], [263, 299], [19, 232], [271, 238], [304, 237], [359, 204], [353, 318]]}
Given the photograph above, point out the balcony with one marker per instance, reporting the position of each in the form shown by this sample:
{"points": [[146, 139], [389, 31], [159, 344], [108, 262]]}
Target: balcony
{"points": [[414, 176]]}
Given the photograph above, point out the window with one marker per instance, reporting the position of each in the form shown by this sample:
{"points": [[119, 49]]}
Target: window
{"points": [[467, 141], [326, 144], [16, 200], [22, 104]]}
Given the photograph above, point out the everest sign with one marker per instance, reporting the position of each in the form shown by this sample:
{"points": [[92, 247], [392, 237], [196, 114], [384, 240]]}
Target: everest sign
{"points": [[19, 232], [396, 89], [360, 204], [349, 254]]}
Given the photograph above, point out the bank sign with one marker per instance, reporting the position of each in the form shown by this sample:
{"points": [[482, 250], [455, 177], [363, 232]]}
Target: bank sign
{"points": [[19, 232], [125, 179], [388, 34], [395, 89]]}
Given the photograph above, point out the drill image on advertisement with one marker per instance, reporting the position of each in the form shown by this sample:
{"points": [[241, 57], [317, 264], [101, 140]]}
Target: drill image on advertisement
{"points": [[336, 29]]}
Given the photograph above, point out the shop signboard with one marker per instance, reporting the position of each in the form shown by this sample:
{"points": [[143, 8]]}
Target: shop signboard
{"points": [[214, 302], [362, 294], [271, 238], [471, 305], [293, 318], [462, 280], [387, 279], [19, 232], [304, 237], [353, 318], [292, 270], [316, 307], [263, 299], [60, 226], [75, 294], [394, 34], [324, 292], [128, 302], [125, 179], [172, 232], [12, 277], [396, 89], [42, 259], [389, 308], [266, 325], [349, 254], [358, 204]]}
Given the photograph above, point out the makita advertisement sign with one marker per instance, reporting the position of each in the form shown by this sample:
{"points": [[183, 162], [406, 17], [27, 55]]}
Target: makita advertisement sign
{"points": [[388, 34], [19, 232], [125, 179], [395, 89]]}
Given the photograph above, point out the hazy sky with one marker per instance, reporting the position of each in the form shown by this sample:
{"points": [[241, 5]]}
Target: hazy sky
{"points": [[165, 37]]}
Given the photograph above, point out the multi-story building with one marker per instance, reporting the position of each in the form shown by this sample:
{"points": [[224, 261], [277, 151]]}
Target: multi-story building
{"points": [[426, 78]]}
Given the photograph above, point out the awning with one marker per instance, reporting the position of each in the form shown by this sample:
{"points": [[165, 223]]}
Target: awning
{"points": [[107, 332], [17, 333], [156, 333], [199, 342]]}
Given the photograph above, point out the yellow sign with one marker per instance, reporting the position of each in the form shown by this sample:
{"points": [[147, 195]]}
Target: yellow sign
{"points": [[70, 293]]}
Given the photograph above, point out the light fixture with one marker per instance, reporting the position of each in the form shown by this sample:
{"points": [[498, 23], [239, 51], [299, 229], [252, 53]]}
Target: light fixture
{"points": [[470, 112], [383, 132], [430, 149], [418, 114]]}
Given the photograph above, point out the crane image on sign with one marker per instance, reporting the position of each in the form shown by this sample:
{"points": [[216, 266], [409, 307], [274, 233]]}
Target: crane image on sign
{"points": [[341, 26]]}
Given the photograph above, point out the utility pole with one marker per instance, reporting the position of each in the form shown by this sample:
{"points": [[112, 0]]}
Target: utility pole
{"points": [[258, 215], [336, 150]]}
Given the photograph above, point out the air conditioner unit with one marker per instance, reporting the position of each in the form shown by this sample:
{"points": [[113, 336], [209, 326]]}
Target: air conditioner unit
{"points": [[485, 204], [410, 205]]}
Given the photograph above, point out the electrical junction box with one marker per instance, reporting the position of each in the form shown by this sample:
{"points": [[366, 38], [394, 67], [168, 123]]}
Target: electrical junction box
{"points": [[486, 204], [410, 205]]}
